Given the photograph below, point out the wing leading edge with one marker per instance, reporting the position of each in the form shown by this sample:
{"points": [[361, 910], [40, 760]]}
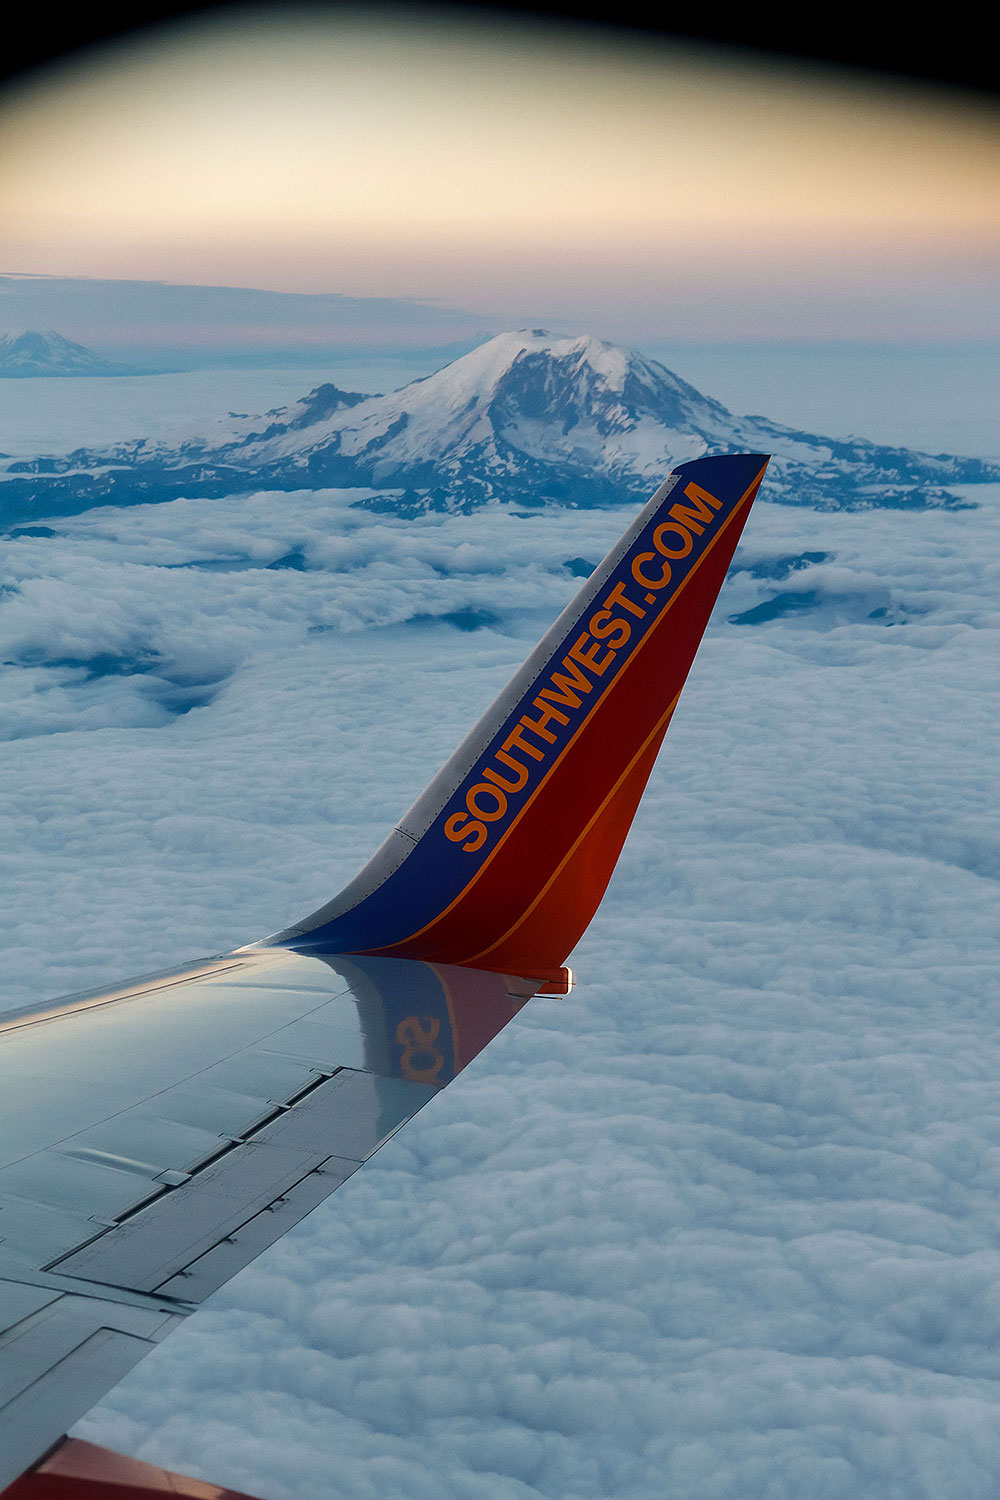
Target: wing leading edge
{"points": [[158, 1136]]}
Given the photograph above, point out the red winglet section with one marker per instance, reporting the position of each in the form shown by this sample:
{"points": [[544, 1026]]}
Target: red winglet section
{"points": [[504, 859], [82, 1471]]}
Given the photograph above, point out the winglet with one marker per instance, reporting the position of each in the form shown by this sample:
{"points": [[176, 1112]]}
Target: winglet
{"points": [[503, 860]]}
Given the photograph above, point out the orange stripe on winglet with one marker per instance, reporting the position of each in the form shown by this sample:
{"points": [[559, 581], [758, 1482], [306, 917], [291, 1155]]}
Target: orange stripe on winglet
{"points": [[660, 729], [401, 945]]}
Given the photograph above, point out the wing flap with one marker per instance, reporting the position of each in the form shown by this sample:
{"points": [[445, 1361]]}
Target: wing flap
{"points": [[193, 1122], [199, 1278], [58, 1359], [326, 1136], [154, 1085]]}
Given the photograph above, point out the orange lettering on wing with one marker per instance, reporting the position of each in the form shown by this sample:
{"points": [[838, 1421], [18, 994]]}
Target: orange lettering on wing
{"points": [[594, 650], [568, 691], [702, 500], [509, 786], [604, 625], [496, 804], [664, 530], [460, 826], [421, 1060], [640, 577], [619, 596], [517, 738], [546, 713], [588, 656]]}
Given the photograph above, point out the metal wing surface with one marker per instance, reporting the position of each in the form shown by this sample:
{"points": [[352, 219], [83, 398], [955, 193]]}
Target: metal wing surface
{"points": [[189, 1121]]}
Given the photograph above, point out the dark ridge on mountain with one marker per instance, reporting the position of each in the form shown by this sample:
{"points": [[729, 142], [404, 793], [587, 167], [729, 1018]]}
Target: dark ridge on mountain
{"points": [[529, 418]]}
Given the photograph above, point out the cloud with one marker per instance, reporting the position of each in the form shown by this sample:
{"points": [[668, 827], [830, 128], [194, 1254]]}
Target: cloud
{"points": [[719, 1225]]}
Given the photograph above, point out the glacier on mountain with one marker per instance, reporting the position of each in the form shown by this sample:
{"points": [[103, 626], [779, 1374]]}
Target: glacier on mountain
{"points": [[527, 418]]}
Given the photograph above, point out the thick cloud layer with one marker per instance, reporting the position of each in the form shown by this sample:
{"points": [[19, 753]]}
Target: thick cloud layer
{"points": [[723, 1224]]}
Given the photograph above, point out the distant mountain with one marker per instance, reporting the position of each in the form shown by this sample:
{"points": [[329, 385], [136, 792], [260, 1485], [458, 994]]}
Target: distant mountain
{"points": [[30, 353], [169, 326], [526, 418]]}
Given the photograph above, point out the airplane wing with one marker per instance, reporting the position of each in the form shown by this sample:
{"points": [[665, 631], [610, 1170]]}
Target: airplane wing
{"points": [[157, 1136]]}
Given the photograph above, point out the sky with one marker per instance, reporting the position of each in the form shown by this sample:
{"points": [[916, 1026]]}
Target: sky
{"points": [[618, 184]]}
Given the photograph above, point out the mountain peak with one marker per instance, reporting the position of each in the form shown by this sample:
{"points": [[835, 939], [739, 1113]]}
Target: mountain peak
{"points": [[529, 417], [531, 356], [26, 351]]}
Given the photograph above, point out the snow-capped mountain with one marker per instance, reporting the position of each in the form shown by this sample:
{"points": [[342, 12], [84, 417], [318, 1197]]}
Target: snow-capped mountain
{"points": [[527, 418], [31, 353]]}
